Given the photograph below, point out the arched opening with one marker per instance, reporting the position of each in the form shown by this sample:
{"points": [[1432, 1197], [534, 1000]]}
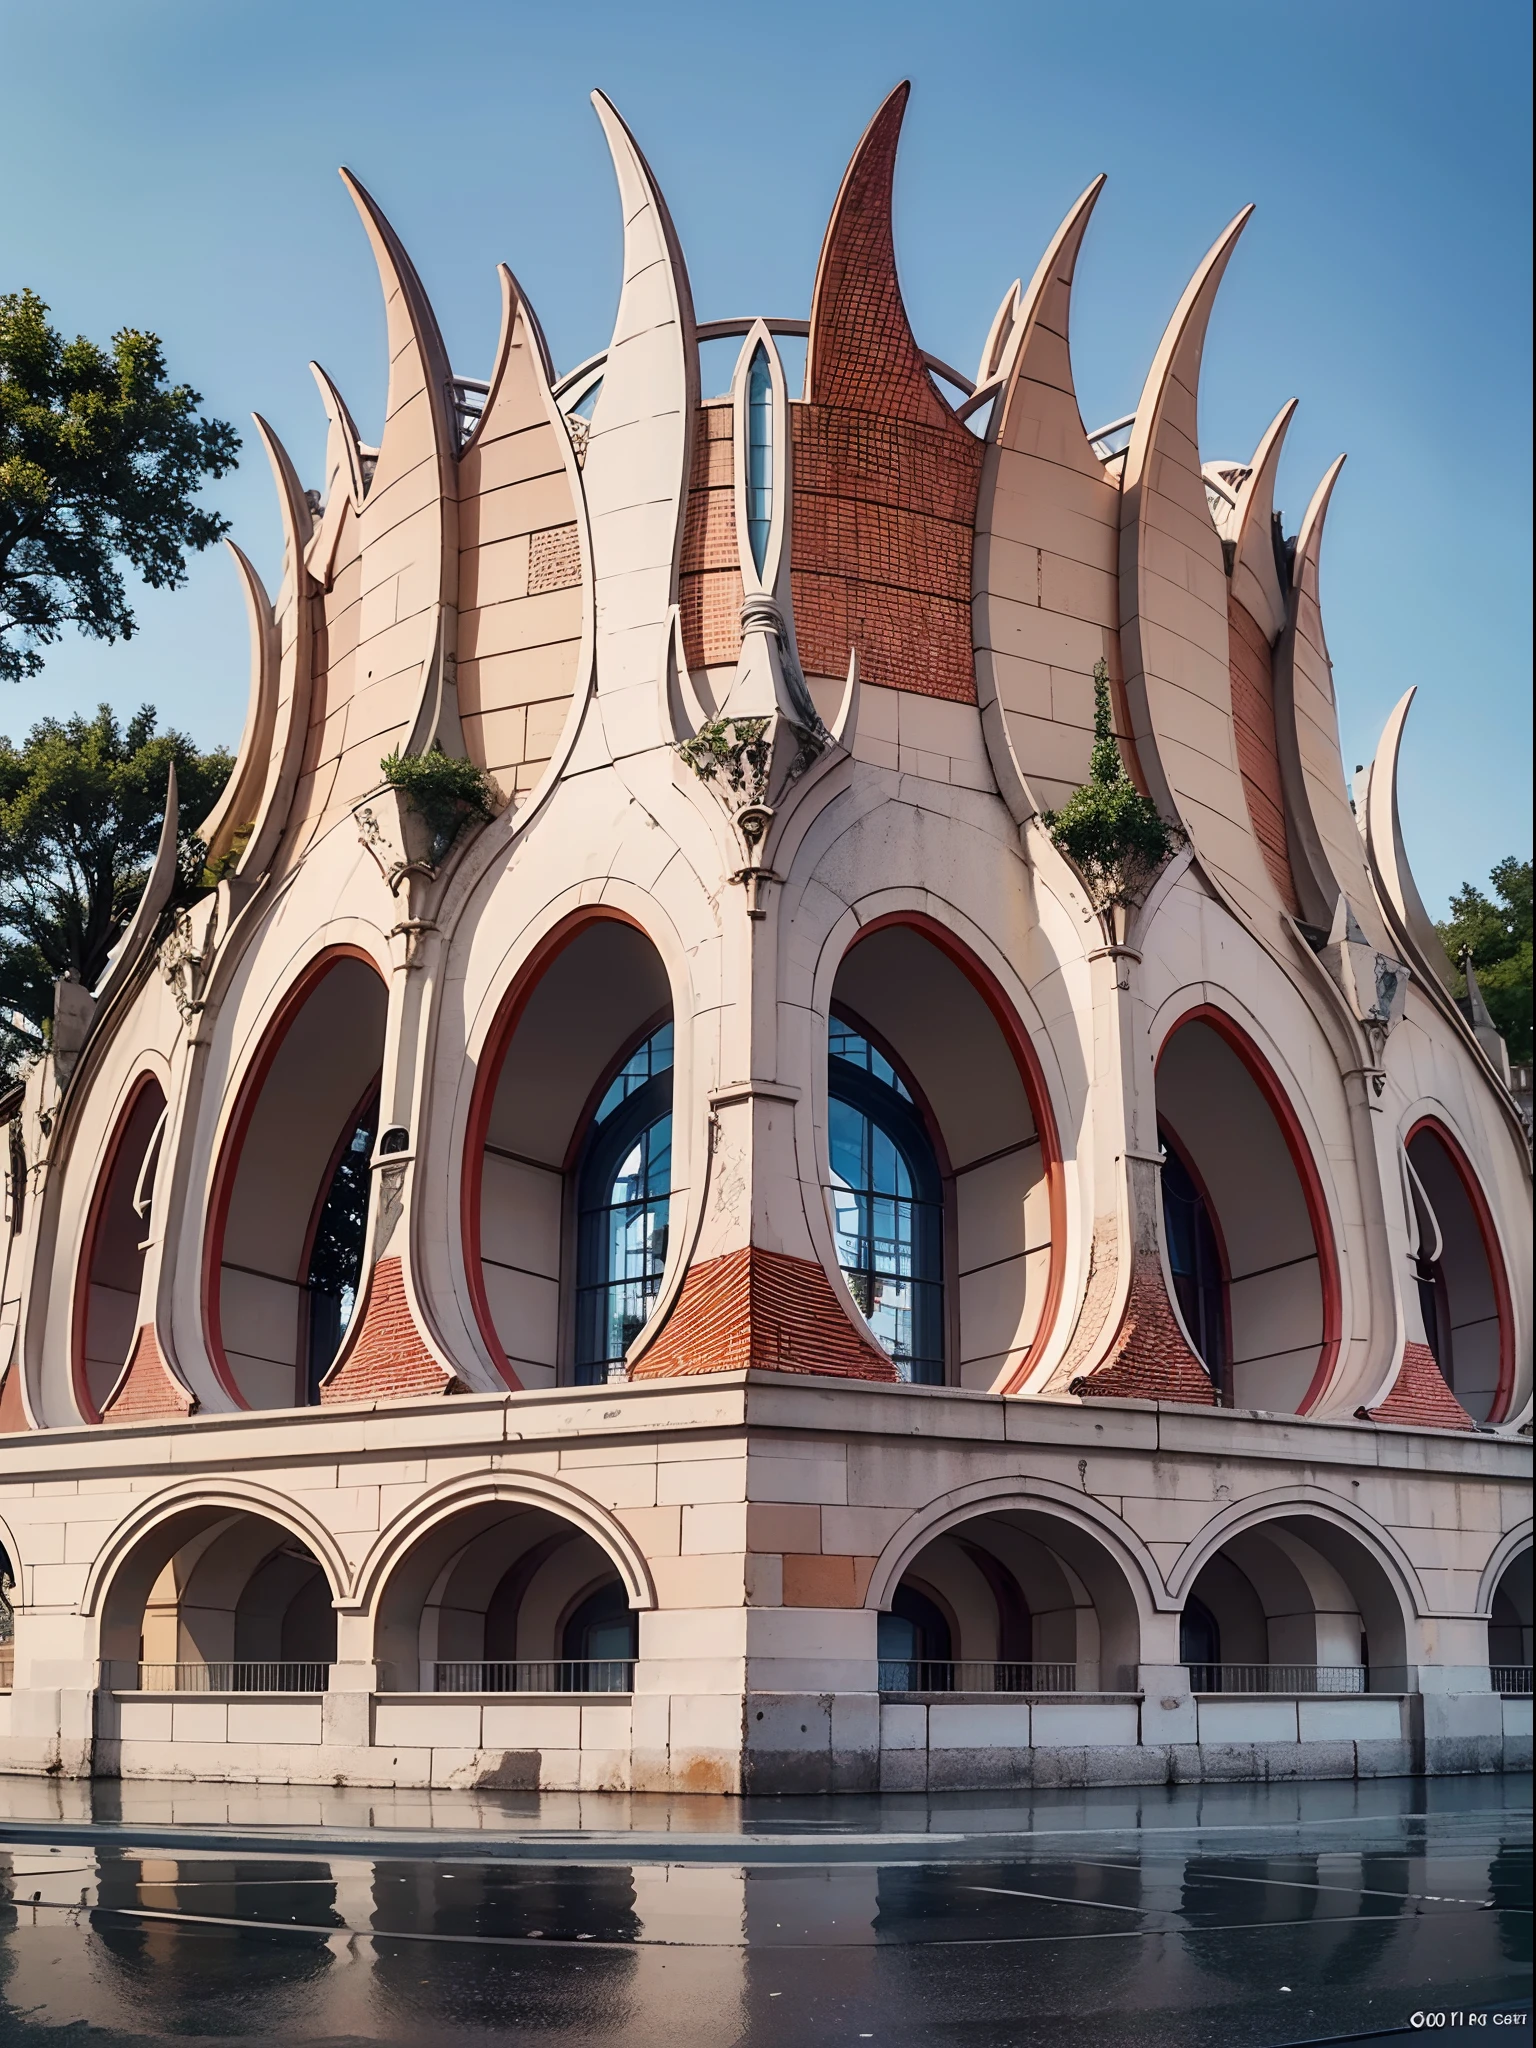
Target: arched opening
{"points": [[7, 1620], [1294, 1604], [219, 1599], [506, 1597], [290, 1202], [1509, 1627], [568, 1168], [1013, 1600], [1250, 1251], [944, 1192], [112, 1252], [1463, 1290]]}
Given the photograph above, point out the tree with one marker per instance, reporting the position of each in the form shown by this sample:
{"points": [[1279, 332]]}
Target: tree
{"points": [[81, 806], [100, 460], [1498, 932], [1118, 838]]}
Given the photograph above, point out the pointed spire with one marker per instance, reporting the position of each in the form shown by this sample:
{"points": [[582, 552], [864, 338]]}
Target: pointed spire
{"points": [[1038, 352], [343, 443], [153, 898], [1255, 574], [862, 352], [242, 792], [418, 362], [1388, 855]]}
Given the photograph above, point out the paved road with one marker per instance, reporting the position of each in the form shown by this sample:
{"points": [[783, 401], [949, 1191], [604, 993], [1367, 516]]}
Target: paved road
{"points": [[1234, 1917]]}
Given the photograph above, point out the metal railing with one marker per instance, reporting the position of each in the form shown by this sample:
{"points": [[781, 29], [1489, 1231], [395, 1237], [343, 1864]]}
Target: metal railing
{"points": [[241, 1676], [1278, 1678], [1511, 1679], [927, 1674], [531, 1674]]}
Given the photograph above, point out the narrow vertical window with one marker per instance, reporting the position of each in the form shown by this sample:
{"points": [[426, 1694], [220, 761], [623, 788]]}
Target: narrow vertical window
{"points": [[759, 455], [624, 1183], [1194, 1260]]}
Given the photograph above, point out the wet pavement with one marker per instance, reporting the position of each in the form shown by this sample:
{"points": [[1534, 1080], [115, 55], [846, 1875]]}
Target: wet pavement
{"points": [[1200, 1917]]}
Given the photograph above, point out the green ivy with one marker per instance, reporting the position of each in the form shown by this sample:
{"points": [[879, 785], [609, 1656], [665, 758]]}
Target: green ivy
{"points": [[444, 790], [735, 750], [1117, 837]]}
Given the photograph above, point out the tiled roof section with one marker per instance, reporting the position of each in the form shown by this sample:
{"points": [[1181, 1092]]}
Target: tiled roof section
{"points": [[388, 1361], [763, 1309], [1258, 755], [1420, 1397], [1150, 1359], [147, 1388], [709, 575], [884, 476]]}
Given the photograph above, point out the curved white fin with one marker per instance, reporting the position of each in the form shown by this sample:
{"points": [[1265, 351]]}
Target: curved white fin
{"points": [[153, 898], [1175, 635], [1045, 510], [293, 627], [641, 441], [418, 414], [999, 334], [240, 796], [1388, 856], [1255, 572]]}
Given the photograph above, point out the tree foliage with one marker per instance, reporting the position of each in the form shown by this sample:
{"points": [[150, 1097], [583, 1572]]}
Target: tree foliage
{"points": [[100, 461], [81, 806], [1497, 930], [1117, 837]]}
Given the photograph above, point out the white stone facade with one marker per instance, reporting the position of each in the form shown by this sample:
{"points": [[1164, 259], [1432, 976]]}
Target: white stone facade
{"points": [[1162, 1413]]}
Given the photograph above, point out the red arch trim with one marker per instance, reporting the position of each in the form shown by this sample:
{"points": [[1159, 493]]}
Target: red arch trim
{"points": [[1032, 1074], [234, 1145], [482, 1100], [100, 1194], [1296, 1143], [1503, 1301]]}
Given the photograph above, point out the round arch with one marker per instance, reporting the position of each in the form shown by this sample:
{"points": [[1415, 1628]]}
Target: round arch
{"points": [[231, 1149], [496, 1043], [1277, 1100], [1044, 1497], [1309, 1502], [1433, 1126], [235, 1496], [110, 1259], [511, 1489], [1505, 1551], [1021, 1050]]}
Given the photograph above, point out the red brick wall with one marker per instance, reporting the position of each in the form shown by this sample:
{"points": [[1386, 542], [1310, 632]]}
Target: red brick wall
{"points": [[883, 476], [763, 1309], [1420, 1395], [1253, 715], [388, 1357], [1150, 1360], [148, 1388], [709, 578]]}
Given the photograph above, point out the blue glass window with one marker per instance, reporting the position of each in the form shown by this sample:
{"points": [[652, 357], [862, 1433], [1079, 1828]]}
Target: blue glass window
{"points": [[1194, 1261], [623, 1185], [759, 455], [887, 1206]]}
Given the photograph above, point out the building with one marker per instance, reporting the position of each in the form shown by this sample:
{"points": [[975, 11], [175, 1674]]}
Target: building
{"points": [[739, 1270]]}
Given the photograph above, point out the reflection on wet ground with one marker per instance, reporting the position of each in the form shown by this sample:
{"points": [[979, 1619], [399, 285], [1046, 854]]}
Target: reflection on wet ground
{"points": [[1227, 1917]]}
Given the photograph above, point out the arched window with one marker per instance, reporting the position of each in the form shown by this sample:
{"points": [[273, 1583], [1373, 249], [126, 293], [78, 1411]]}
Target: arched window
{"points": [[336, 1248], [623, 1182], [887, 1205], [1194, 1261], [759, 455]]}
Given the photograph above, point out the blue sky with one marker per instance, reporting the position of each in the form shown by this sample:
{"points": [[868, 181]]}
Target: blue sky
{"points": [[171, 164]]}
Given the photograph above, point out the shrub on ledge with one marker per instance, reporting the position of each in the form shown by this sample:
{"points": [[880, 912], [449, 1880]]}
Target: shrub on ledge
{"points": [[444, 790], [1117, 838]]}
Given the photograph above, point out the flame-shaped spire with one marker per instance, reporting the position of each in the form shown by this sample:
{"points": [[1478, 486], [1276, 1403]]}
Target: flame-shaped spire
{"points": [[862, 352], [241, 795]]}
